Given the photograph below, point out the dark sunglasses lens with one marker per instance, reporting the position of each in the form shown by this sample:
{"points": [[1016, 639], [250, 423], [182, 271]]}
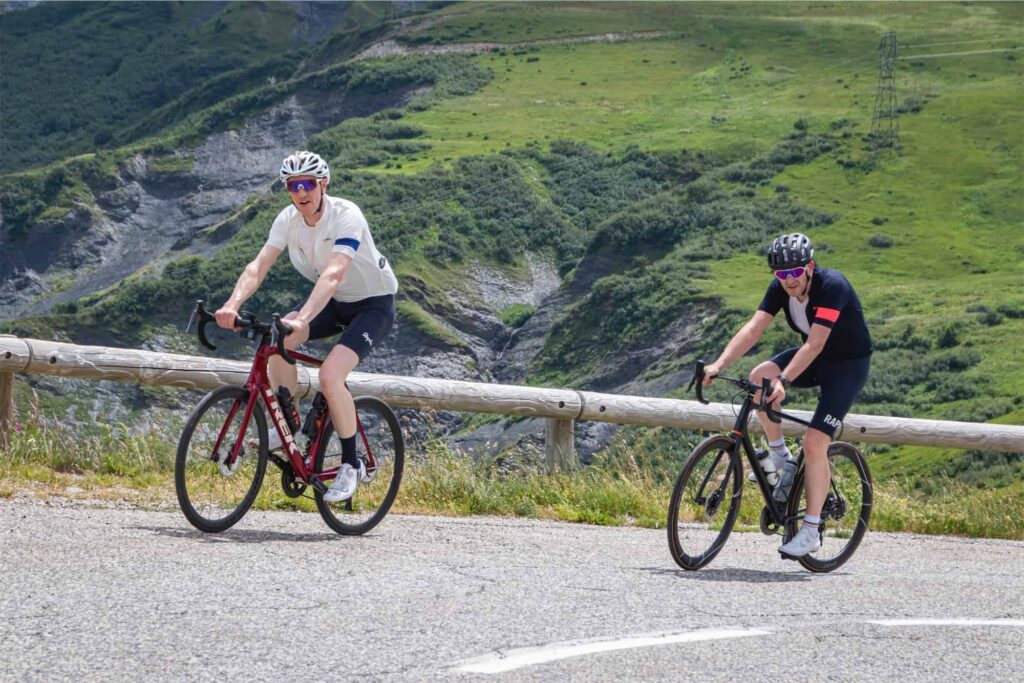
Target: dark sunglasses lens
{"points": [[795, 273], [295, 185]]}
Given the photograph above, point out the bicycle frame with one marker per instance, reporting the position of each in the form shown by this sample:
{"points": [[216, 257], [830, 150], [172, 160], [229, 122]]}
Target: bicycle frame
{"points": [[740, 437], [259, 386]]}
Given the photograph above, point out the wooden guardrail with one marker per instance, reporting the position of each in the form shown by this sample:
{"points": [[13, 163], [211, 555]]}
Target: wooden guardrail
{"points": [[561, 407]]}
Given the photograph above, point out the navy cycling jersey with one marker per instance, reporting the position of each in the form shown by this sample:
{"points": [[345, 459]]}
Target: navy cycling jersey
{"points": [[831, 302]]}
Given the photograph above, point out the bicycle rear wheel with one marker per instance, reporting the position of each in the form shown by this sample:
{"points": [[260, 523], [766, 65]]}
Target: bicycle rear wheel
{"points": [[213, 497], [846, 512], [705, 502], [379, 435]]}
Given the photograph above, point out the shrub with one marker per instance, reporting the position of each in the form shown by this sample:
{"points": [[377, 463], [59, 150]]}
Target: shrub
{"points": [[948, 336], [910, 105], [1011, 310], [880, 241], [990, 318]]}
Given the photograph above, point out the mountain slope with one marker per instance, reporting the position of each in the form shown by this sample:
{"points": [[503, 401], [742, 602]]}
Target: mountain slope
{"points": [[647, 172]]}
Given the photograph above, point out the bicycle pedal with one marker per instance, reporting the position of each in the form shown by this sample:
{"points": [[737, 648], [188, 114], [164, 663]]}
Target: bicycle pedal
{"points": [[788, 557]]}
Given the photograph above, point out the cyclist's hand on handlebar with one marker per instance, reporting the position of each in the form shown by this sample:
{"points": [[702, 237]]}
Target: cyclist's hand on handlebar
{"points": [[778, 395], [711, 371], [226, 316], [299, 328]]}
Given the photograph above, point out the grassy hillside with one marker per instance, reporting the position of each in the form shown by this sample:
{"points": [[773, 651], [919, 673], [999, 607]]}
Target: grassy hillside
{"points": [[107, 66], [930, 237], [674, 152]]}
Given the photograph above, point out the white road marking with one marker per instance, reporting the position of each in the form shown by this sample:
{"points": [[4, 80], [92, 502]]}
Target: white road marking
{"points": [[529, 656], [949, 622]]}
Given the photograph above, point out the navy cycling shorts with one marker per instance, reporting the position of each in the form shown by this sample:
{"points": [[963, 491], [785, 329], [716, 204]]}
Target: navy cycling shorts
{"points": [[361, 323], [840, 382]]}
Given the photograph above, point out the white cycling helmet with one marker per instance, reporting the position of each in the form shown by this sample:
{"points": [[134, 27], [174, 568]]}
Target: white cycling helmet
{"points": [[305, 163]]}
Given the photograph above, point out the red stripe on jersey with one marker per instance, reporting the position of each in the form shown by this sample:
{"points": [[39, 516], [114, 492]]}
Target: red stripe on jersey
{"points": [[829, 314]]}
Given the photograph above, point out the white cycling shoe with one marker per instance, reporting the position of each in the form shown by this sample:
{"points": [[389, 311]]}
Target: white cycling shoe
{"points": [[345, 484], [806, 541]]}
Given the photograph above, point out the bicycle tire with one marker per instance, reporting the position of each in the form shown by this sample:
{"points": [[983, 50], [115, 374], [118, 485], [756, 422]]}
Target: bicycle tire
{"points": [[850, 487], [690, 510], [371, 501], [203, 490]]}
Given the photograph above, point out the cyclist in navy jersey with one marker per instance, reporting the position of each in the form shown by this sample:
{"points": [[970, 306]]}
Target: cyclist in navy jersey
{"points": [[822, 307], [330, 244]]}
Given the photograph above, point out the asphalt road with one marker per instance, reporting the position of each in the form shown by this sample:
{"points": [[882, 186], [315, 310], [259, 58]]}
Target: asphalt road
{"points": [[122, 594]]}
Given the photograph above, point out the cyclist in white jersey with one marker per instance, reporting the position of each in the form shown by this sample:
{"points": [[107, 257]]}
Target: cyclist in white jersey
{"points": [[329, 243]]}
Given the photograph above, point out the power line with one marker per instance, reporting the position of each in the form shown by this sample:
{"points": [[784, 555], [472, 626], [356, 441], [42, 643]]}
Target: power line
{"points": [[957, 42], [957, 54]]}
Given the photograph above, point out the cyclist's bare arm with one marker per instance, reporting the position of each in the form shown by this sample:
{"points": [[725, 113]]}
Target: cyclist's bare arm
{"points": [[742, 342], [325, 287], [248, 282]]}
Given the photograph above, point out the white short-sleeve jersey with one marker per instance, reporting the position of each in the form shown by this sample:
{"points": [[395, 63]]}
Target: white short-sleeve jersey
{"points": [[341, 229]]}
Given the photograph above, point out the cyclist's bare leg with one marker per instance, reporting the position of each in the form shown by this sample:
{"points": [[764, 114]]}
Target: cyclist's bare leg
{"points": [[816, 469], [815, 445], [333, 373], [283, 373], [770, 370]]}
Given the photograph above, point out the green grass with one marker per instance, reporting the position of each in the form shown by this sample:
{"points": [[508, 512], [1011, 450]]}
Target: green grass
{"points": [[758, 66], [727, 82], [116, 466], [516, 314]]}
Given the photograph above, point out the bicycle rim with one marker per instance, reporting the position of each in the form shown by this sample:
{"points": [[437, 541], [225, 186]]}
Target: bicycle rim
{"points": [[705, 503], [380, 436], [846, 513], [211, 499]]}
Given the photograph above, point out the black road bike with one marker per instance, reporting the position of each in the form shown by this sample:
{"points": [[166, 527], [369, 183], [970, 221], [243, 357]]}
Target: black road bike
{"points": [[707, 495]]}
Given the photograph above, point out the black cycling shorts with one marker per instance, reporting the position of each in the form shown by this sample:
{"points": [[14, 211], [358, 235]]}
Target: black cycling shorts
{"points": [[361, 323], [840, 382]]}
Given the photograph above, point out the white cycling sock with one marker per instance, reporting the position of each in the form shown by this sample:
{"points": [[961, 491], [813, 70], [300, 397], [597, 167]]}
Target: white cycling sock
{"points": [[779, 449], [810, 523]]}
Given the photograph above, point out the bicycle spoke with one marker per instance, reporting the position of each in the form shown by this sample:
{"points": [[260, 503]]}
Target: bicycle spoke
{"points": [[846, 511], [379, 444], [705, 502], [213, 491]]}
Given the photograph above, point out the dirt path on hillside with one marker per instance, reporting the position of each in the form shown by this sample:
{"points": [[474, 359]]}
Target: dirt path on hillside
{"points": [[389, 47]]}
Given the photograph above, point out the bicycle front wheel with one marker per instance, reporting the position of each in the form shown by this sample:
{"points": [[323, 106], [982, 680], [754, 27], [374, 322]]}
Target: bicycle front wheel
{"points": [[705, 502], [213, 493], [846, 512], [378, 441]]}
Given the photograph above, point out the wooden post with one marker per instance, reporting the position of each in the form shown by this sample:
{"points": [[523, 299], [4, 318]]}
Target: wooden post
{"points": [[6, 406], [560, 444], [6, 400]]}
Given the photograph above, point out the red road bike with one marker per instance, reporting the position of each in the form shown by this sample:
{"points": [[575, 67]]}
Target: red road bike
{"points": [[222, 454]]}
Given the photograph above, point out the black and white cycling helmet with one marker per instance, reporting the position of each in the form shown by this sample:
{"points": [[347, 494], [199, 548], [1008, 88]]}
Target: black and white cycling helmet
{"points": [[305, 163], [790, 251]]}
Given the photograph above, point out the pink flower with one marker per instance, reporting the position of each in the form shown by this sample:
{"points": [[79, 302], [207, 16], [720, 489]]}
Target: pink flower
{"points": [[18, 427]]}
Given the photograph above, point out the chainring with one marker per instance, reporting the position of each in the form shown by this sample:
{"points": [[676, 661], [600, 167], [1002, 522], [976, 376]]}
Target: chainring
{"points": [[292, 487]]}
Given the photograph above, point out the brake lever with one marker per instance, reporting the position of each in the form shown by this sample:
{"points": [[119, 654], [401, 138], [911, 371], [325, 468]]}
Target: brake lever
{"points": [[282, 331], [698, 381], [766, 387], [200, 313]]}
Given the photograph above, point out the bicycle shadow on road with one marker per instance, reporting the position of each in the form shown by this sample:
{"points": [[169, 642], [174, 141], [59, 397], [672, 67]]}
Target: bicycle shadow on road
{"points": [[243, 535], [732, 575]]}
